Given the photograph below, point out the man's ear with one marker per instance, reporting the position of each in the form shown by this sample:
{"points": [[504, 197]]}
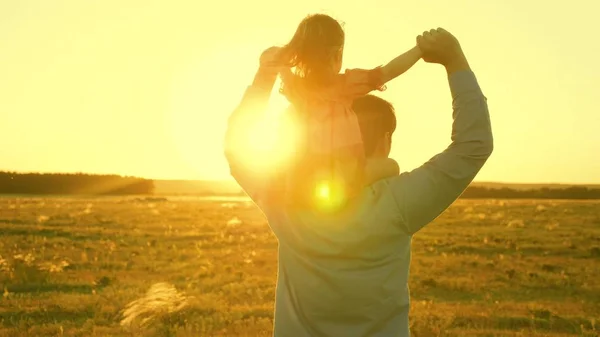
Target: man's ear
{"points": [[388, 140]]}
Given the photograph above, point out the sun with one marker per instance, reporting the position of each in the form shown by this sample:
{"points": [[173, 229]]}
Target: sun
{"points": [[202, 99], [271, 141]]}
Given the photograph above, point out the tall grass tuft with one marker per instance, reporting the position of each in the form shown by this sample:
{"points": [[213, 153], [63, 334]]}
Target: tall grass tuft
{"points": [[158, 309]]}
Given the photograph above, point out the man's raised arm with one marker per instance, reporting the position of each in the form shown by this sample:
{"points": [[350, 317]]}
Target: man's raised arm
{"points": [[239, 132], [424, 193]]}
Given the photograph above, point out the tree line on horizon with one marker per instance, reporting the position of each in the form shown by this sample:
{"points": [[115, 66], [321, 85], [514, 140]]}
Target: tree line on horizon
{"points": [[95, 184], [72, 184], [572, 192]]}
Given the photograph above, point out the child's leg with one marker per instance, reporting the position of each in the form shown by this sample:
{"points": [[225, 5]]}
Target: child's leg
{"points": [[380, 168]]}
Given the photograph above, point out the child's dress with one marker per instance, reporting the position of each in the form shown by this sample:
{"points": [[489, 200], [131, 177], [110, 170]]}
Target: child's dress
{"points": [[331, 161]]}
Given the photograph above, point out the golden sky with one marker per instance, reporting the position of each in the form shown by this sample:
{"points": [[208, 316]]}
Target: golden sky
{"points": [[145, 87]]}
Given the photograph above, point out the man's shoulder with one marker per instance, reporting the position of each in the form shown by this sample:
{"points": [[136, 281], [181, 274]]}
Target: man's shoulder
{"points": [[380, 168]]}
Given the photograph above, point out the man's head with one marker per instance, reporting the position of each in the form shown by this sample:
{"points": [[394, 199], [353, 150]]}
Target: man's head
{"points": [[377, 120]]}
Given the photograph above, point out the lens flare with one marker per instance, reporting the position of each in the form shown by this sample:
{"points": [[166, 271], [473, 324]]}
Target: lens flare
{"points": [[329, 195], [323, 191]]}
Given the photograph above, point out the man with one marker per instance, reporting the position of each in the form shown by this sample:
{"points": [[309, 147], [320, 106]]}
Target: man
{"points": [[347, 274]]}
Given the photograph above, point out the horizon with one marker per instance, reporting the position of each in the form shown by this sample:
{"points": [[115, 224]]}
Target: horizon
{"points": [[231, 180], [144, 89]]}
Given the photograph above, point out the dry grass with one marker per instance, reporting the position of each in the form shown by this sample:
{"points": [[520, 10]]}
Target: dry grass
{"points": [[182, 267]]}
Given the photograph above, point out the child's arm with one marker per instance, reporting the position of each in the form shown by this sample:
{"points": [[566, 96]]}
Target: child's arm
{"points": [[401, 64]]}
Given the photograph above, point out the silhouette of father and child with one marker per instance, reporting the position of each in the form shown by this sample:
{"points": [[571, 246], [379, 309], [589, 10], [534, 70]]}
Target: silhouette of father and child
{"points": [[344, 261]]}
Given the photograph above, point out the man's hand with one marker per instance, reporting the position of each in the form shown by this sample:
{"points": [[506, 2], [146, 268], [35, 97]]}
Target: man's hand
{"points": [[439, 46]]}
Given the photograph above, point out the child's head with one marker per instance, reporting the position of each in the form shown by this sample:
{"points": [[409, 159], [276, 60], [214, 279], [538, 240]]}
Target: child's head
{"points": [[316, 49]]}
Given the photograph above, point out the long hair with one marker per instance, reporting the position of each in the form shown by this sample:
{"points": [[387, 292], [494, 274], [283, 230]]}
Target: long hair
{"points": [[312, 54], [312, 51]]}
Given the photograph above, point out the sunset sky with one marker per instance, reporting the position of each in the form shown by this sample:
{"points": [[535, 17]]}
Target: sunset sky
{"points": [[144, 88]]}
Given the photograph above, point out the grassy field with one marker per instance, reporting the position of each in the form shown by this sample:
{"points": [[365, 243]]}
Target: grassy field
{"points": [[72, 266]]}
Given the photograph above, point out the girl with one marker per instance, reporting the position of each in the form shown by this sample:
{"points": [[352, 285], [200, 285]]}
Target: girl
{"points": [[332, 163]]}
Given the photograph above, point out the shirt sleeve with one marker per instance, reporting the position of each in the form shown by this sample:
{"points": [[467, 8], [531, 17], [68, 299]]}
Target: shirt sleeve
{"points": [[251, 179], [359, 82], [424, 193]]}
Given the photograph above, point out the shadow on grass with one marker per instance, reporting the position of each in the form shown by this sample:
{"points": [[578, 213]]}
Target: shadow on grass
{"points": [[490, 251], [572, 325], [428, 289], [15, 222], [54, 314], [444, 294], [525, 293], [49, 287], [52, 233], [508, 250]]}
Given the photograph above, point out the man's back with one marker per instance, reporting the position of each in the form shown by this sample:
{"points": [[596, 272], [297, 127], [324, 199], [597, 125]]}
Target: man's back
{"points": [[343, 275]]}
